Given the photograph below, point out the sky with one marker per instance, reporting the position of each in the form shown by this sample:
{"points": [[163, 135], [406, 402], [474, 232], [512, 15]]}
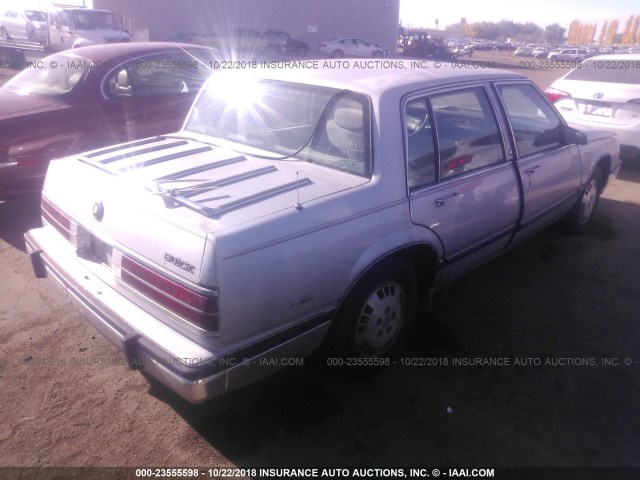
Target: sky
{"points": [[423, 13]]}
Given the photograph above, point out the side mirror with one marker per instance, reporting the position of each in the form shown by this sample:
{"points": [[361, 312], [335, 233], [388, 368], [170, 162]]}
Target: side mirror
{"points": [[574, 137]]}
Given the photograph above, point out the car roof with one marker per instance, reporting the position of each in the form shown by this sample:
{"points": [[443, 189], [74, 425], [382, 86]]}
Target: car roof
{"points": [[115, 51], [376, 77]]}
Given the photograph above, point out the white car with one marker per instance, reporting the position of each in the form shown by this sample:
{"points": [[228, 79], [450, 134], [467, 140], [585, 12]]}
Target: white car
{"points": [[28, 25], [352, 47], [603, 94], [568, 54]]}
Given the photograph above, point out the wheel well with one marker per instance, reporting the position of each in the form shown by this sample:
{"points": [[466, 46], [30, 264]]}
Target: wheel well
{"points": [[421, 257], [604, 164], [424, 261]]}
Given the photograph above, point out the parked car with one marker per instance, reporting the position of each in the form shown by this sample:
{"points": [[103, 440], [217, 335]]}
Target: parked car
{"points": [[523, 52], [540, 52], [568, 54], [247, 43], [463, 51], [30, 25], [90, 97], [306, 210], [425, 46], [286, 43], [352, 47], [603, 94]]}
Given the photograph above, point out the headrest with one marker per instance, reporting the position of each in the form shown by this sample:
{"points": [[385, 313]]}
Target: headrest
{"points": [[349, 118]]}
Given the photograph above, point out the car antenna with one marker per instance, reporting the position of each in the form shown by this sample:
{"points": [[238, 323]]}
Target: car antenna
{"points": [[298, 205]]}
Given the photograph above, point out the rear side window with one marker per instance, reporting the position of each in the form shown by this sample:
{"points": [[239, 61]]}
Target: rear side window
{"points": [[449, 134], [467, 131], [607, 71], [170, 73], [536, 126]]}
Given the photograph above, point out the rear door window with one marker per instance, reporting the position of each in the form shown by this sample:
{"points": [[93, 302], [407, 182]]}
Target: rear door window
{"points": [[466, 130], [449, 134]]}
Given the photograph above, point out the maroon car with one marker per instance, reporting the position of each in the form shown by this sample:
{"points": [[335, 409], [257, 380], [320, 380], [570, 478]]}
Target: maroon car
{"points": [[91, 97]]}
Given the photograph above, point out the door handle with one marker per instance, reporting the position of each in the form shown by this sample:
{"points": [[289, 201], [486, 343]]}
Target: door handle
{"points": [[440, 202], [530, 171]]}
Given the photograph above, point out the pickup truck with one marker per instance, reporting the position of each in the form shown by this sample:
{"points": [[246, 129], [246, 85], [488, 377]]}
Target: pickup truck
{"points": [[304, 211]]}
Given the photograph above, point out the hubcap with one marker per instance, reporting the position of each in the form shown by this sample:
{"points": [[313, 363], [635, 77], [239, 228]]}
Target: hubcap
{"points": [[380, 320], [588, 202]]}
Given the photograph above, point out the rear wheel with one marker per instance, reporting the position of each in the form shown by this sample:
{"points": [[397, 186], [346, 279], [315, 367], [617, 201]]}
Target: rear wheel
{"points": [[582, 212], [338, 54], [375, 315]]}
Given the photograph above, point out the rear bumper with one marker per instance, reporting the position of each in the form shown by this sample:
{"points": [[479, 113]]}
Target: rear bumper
{"points": [[193, 372]]}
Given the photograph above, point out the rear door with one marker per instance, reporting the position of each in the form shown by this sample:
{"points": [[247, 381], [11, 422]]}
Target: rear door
{"points": [[461, 185], [550, 170]]}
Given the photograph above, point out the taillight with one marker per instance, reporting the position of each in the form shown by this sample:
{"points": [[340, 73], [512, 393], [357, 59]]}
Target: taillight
{"points": [[553, 94], [72, 231], [201, 309]]}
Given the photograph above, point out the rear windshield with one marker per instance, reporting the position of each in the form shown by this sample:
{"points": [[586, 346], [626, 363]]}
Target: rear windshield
{"points": [[609, 71], [293, 121]]}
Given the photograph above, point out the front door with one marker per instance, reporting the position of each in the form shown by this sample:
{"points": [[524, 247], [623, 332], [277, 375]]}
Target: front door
{"points": [[550, 171]]}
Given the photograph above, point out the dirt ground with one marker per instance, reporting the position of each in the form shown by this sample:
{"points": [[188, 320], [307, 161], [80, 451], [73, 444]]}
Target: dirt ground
{"points": [[559, 315]]}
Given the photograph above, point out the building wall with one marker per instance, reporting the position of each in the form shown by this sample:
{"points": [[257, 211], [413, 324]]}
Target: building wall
{"points": [[310, 20]]}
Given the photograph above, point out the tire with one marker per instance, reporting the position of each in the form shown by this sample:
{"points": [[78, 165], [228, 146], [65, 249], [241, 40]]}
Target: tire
{"points": [[337, 54], [583, 211], [553, 59], [376, 313], [378, 55]]}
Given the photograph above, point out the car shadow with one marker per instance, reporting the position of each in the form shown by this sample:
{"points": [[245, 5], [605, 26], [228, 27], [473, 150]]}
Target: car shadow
{"points": [[17, 216], [299, 407], [533, 302]]}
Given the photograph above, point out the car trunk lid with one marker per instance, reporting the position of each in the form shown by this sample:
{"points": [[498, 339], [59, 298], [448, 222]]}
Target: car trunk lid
{"points": [[595, 102], [164, 198]]}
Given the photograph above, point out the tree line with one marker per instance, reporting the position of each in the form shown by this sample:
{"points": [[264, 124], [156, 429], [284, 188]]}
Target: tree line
{"points": [[579, 33]]}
